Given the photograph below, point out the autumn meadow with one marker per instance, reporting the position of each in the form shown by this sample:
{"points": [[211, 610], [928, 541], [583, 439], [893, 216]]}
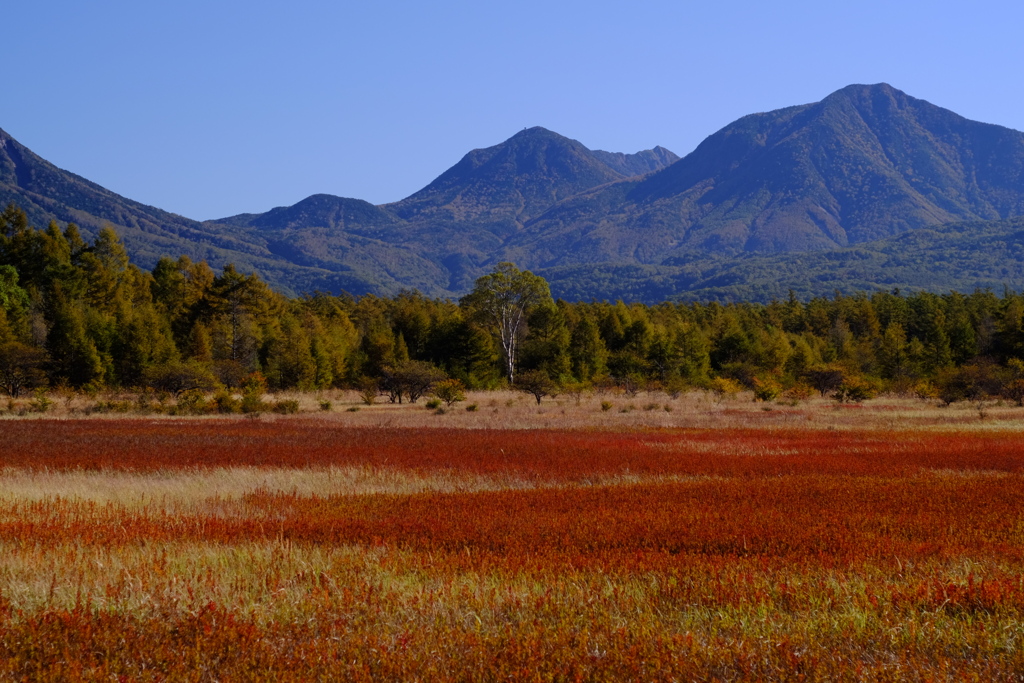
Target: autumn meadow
{"points": [[702, 540]]}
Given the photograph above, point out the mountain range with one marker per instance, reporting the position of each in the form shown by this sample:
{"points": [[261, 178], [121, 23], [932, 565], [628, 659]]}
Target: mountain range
{"points": [[912, 195]]}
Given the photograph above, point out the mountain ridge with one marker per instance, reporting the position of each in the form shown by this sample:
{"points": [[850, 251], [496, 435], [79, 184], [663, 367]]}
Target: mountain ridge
{"points": [[865, 163]]}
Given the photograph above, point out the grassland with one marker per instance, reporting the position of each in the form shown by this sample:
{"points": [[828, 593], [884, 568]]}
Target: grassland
{"points": [[716, 540]]}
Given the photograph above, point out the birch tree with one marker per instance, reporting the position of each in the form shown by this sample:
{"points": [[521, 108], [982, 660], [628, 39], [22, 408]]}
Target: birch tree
{"points": [[502, 300]]}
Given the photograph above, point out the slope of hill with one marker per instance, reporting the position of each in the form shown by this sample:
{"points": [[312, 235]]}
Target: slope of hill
{"points": [[953, 257], [460, 220], [47, 193], [864, 163]]}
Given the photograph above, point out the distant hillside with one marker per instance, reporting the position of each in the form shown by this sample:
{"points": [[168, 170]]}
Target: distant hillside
{"points": [[868, 188], [958, 256], [445, 235], [47, 193]]}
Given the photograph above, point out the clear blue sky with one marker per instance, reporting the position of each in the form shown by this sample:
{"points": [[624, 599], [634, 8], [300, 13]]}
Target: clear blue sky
{"points": [[220, 107]]}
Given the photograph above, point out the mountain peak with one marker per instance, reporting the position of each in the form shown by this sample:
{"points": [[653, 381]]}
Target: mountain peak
{"points": [[536, 132], [508, 184]]}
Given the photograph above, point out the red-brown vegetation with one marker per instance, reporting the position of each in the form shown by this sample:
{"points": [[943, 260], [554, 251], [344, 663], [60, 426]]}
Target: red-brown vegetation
{"points": [[670, 555]]}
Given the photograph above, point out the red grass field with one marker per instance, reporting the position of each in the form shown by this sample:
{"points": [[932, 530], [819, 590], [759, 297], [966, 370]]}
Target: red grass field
{"points": [[444, 555]]}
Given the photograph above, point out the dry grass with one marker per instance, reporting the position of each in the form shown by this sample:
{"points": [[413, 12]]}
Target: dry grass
{"points": [[646, 410]]}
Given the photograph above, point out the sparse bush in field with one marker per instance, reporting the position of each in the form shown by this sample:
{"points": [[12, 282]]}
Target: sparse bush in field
{"points": [[652, 406], [926, 390], [191, 402], [606, 406], [325, 405], [472, 408], [225, 403], [675, 387], [854, 390], [537, 384], [575, 390], [21, 367], [178, 378], [112, 406], [630, 384], [353, 409], [252, 404], [143, 403], [766, 389], [450, 391], [368, 390], [826, 378], [974, 382], [286, 407], [410, 379], [40, 401], [723, 387], [433, 404], [801, 391], [253, 388]]}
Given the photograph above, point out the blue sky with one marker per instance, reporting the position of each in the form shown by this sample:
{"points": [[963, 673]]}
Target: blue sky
{"points": [[219, 107]]}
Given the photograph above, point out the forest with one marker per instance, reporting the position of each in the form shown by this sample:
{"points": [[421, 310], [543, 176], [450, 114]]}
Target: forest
{"points": [[77, 315]]}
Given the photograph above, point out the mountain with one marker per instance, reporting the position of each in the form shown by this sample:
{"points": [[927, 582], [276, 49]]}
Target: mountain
{"points": [[868, 188], [462, 218], [865, 163], [47, 193]]}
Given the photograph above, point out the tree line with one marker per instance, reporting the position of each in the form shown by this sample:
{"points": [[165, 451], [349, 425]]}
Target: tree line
{"points": [[78, 314]]}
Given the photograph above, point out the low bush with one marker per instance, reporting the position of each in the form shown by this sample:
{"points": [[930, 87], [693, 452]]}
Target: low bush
{"points": [[286, 407]]}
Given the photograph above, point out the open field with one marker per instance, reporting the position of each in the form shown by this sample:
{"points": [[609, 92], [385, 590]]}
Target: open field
{"points": [[607, 410], [396, 544]]}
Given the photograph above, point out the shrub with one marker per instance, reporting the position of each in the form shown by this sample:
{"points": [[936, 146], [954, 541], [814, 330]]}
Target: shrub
{"points": [[253, 388], [368, 390], [433, 404], [607, 405], [191, 402], [854, 390], [801, 391], [450, 391], [410, 379], [576, 390], [21, 367], [675, 387], [471, 408], [326, 405], [826, 378], [41, 402], [179, 378], [286, 407], [225, 403], [766, 389], [536, 383], [723, 387]]}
